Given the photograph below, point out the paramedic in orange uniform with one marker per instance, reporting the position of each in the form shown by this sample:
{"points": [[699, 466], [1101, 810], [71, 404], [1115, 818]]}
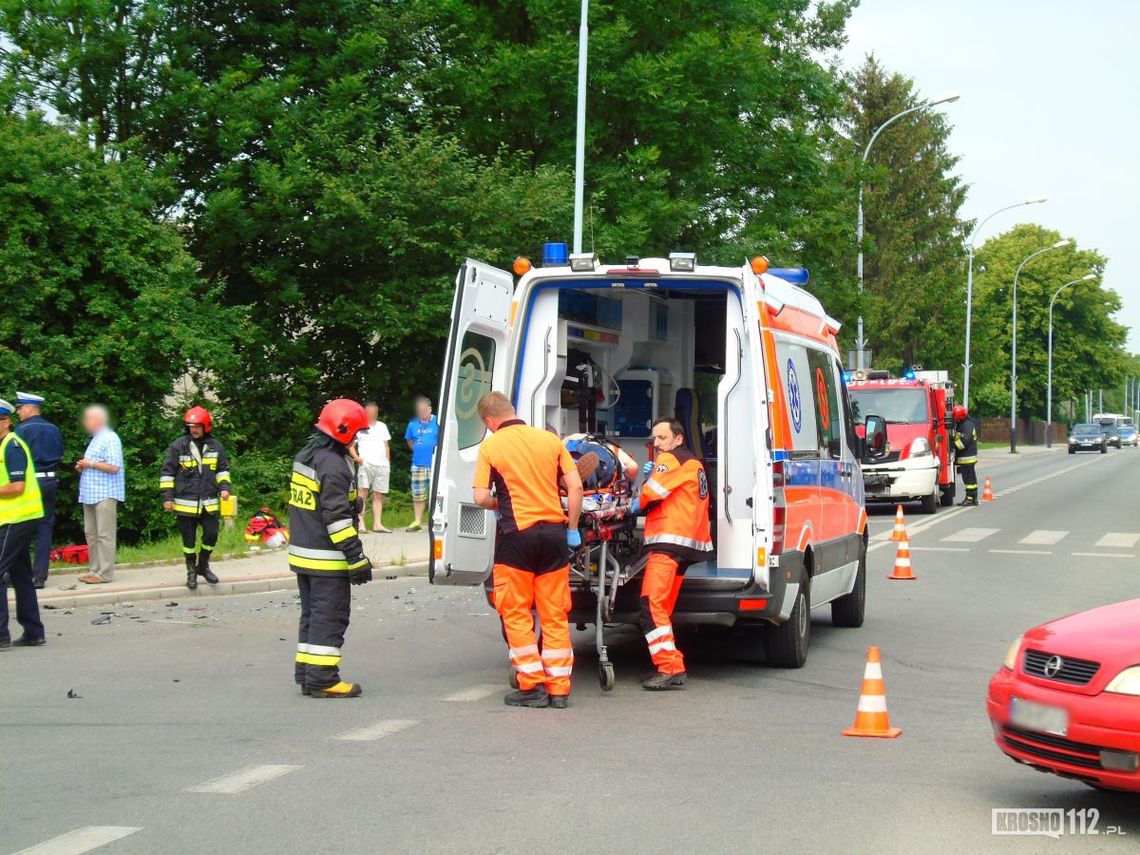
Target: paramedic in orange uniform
{"points": [[532, 568], [675, 500]]}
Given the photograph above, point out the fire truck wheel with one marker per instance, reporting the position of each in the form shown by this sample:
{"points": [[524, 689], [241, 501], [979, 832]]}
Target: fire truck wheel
{"points": [[930, 503]]}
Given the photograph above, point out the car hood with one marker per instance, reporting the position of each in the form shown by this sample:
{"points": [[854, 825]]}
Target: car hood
{"points": [[1108, 634]]}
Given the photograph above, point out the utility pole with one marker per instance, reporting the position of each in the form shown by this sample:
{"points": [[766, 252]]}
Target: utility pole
{"points": [[580, 141]]}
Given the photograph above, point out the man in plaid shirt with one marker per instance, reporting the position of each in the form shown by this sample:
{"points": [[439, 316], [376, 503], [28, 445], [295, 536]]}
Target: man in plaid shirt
{"points": [[102, 486]]}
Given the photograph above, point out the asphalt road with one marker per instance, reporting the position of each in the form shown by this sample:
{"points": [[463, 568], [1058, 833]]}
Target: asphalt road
{"points": [[188, 735]]}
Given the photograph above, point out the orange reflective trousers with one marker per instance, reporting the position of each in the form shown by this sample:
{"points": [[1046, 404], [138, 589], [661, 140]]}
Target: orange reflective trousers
{"points": [[516, 593], [659, 588]]}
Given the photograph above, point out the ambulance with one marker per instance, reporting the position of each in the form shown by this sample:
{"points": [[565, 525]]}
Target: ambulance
{"points": [[745, 357]]}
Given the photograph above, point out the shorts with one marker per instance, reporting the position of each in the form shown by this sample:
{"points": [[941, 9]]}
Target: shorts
{"points": [[421, 480], [374, 478]]}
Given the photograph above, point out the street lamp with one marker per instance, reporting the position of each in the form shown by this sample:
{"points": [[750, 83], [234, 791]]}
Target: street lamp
{"points": [[1013, 353], [947, 98], [1088, 277], [580, 137], [970, 289]]}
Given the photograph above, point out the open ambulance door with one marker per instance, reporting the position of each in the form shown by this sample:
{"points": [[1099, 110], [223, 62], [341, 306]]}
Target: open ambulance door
{"points": [[463, 534]]}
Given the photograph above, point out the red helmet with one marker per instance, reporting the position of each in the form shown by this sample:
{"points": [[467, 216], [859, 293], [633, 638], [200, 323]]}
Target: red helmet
{"points": [[198, 416], [960, 412], [341, 419]]}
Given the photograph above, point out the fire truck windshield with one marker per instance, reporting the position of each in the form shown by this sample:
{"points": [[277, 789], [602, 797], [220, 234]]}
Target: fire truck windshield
{"points": [[897, 406]]}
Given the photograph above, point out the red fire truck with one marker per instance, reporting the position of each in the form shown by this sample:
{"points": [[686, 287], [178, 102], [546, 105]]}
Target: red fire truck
{"points": [[919, 466]]}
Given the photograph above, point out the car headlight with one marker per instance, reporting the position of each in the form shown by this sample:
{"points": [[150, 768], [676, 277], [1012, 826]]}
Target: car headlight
{"points": [[1127, 682], [1010, 660], [1072, 439], [920, 447]]}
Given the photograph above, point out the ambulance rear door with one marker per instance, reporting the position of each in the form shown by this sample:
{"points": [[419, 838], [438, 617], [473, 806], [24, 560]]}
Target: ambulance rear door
{"points": [[463, 534]]}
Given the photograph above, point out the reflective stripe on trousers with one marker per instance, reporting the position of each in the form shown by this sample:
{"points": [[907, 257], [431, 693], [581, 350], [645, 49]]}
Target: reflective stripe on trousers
{"points": [[660, 586], [516, 593]]}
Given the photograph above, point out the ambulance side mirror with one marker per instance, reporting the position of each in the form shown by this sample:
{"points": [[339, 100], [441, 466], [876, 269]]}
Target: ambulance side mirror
{"points": [[874, 439]]}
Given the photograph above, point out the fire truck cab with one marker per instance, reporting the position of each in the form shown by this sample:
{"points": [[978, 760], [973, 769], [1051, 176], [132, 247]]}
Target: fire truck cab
{"points": [[919, 465]]}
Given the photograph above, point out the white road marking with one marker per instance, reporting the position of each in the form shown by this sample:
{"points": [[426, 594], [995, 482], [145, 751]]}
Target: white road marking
{"points": [[376, 731], [969, 535], [475, 693], [1117, 540], [1022, 551], [1104, 555], [939, 549], [242, 780], [81, 840], [1043, 537]]}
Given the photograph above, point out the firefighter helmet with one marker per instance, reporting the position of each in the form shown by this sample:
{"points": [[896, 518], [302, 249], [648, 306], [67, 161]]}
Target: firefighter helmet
{"points": [[198, 416], [960, 412], [342, 419]]}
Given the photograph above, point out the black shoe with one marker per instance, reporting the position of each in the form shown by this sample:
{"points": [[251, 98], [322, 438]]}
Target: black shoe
{"points": [[537, 698], [306, 691], [209, 576], [559, 702], [39, 585], [662, 682], [6, 643], [192, 581], [24, 641], [204, 568], [968, 503]]}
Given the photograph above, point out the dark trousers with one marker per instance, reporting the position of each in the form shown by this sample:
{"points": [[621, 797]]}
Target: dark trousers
{"points": [[16, 570], [325, 605], [188, 528], [44, 529], [969, 473]]}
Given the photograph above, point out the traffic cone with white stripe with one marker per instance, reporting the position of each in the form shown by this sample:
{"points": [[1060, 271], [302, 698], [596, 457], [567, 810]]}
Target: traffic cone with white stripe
{"points": [[902, 571], [900, 526], [871, 718], [987, 491]]}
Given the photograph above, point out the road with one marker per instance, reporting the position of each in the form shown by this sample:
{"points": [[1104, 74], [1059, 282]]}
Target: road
{"points": [[189, 736]]}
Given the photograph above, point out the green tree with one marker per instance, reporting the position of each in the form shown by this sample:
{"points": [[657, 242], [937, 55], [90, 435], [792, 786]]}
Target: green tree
{"points": [[106, 302]]}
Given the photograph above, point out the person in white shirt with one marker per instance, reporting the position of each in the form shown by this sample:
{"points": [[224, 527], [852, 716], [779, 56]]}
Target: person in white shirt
{"points": [[370, 451]]}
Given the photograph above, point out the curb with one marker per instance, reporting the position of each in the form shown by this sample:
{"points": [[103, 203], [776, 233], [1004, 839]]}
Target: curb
{"points": [[165, 590]]}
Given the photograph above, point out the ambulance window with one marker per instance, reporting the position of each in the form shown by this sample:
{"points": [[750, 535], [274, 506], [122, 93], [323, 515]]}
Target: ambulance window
{"points": [[796, 375], [829, 415], [473, 381]]}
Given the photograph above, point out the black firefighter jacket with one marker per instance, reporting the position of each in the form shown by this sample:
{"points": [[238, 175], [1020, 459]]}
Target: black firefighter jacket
{"points": [[193, 474], [323, 513]]}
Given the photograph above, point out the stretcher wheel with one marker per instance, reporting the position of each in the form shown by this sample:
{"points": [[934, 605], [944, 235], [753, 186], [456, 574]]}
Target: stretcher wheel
{"points": [[606, 678]]}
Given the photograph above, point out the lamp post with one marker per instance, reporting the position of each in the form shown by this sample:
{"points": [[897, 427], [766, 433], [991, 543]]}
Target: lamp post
{"points": [[949, 97], [1013, 350], [970, 289], [1049, 386], [580, 140]]}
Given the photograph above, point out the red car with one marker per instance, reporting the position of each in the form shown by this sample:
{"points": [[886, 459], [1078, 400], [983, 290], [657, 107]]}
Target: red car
{"points": [[1067, 698]]}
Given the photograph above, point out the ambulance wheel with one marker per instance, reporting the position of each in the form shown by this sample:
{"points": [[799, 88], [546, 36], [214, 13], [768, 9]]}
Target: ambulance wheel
{"points": [[930, 503], [848, 610], [606, 677], [786, 645]]}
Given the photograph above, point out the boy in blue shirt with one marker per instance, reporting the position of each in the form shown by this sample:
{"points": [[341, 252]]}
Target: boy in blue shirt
{"points": [[422, 436]]}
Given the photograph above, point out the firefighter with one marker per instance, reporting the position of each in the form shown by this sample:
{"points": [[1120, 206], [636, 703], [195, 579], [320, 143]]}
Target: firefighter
{"points": [[532, 568], [966, 453], [675, 499], [324, 547], [195, 476]]}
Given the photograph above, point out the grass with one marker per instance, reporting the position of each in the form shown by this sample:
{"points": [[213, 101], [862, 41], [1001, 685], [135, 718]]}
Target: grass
{"points": [[1001, 443]]}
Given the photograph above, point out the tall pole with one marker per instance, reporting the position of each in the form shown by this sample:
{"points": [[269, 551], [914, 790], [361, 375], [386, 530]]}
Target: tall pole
{"points": [[1013, 353], [860, 341], [580, 142], [970, 289], [1049, 382]]}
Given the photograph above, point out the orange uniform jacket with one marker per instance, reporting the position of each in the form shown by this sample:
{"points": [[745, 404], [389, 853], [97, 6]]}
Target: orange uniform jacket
{"points": [[676, 497]]}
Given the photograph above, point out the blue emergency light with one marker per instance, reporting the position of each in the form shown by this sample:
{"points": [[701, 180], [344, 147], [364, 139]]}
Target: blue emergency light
{"points": [[555, 254], [794, 275], [909, 374], [848, 376]]}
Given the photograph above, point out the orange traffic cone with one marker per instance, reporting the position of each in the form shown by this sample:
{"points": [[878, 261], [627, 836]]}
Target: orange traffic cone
{"points": [[900, 526], [987, 491], [871, 718], [902, 571]]}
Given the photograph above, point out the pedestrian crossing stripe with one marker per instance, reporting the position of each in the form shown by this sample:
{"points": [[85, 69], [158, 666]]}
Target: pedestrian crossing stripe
{"points": [[1118, 540], [1043, 537], [970, 535]]}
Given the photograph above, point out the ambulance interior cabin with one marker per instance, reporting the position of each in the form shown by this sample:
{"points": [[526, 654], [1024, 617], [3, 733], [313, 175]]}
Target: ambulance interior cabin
{"points": [[610, 360]]}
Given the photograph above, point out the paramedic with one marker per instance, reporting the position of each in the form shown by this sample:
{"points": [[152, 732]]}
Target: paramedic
{"points": [[324, 547], [966, 453], [675, 499], [194, 478], [532, 569]]}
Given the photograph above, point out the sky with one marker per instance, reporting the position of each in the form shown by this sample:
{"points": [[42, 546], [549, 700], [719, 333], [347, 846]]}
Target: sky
{"points": [[1049, 107]]}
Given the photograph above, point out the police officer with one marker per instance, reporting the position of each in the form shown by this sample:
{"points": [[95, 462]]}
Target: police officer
{"points": [[675, 499], [20, 512], [324, 547], [966, 453], [195, 475], [46, 444]]}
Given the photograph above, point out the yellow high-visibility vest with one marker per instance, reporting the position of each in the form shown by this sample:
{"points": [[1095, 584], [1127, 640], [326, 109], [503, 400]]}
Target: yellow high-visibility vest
{"points": [[28, 505]]}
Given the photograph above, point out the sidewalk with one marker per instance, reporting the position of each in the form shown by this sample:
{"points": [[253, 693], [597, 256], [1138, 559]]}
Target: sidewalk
{"points": [[995, 454], [396, 554]]}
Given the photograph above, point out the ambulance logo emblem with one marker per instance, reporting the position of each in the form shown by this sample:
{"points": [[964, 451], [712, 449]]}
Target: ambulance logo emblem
{"points": [[794, 402]]}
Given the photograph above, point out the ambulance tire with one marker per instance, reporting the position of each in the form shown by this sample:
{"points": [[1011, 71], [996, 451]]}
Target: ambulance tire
{"points": [[848, 610], [930, 503], [786, 645]]}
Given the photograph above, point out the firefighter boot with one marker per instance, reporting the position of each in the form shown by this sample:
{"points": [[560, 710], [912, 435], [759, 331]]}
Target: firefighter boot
{"points": [[191, 573], [340, 690], [536, 698], [661, 682], [204, 567]]}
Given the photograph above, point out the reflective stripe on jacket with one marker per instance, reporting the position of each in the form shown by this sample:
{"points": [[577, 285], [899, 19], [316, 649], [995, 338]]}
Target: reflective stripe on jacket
{"points": [[193, 475], [29, 504], [323, 537], [676, 497], [966, 441]]}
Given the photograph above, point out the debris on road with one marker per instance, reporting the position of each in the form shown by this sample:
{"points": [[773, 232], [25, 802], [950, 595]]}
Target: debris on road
{"points": [[71, 693], [101, 620]]}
